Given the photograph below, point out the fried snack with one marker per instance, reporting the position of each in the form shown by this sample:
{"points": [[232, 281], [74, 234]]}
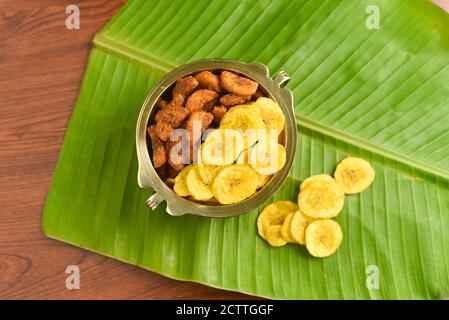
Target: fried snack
{"points": [[234, 183], [208, 80], [248, 122], [354, 175], [175, 159], [218, 112], [271, 113], [323, 237], [318, 177], [161, 104], [285, 229], [231, 99], [202, 99], [164, 130], [221, 147], [183, 88], [159, 154], [321, 199], [267, 158], [168, 119], [274, 236], [180, 182], [196, 186], [298, 227], [274, 214], [202, 120], [239, 85]]}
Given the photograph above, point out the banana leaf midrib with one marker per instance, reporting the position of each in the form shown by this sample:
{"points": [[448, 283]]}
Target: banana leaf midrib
{"points": [[120, 49]]}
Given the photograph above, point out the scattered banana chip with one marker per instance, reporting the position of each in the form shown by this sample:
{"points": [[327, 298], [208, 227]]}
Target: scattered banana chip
{"points": [[321, 199], [318, 177], [274, 214], [248, 122], [271, 113], [323, 237], [354, 175], [274, 236], [221, 147], [285, 229], [196, 186], [267, 158], [234, 183], [298, 226], [180, 182]]}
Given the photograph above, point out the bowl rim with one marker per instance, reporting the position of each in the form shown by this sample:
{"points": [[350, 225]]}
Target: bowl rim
{"points": [[176, 205]]}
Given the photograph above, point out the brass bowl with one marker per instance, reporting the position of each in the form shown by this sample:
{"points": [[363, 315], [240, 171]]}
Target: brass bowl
{"points": [[177, 206]]}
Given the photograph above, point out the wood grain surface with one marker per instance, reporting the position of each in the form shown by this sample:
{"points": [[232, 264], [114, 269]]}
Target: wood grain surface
{"points": [[41, 67]]}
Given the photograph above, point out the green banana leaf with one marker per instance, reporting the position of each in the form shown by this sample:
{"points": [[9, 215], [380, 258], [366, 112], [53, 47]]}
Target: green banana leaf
{"points": [[381, 94]]}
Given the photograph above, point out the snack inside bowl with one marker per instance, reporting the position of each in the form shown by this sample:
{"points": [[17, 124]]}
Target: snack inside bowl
{"points": [[192, 167]]}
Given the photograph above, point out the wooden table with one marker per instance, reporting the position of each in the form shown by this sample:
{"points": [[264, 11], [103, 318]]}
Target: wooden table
{"points": [[41, 67]]}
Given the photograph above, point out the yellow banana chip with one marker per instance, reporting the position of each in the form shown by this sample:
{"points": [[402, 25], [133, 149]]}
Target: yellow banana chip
{"points": [[285, 229], [298, 226], [321, 199], [247, 121], [221, 147], [318, 177], [234, 183], [274, 236], [323, 237], [208, 172], [196, 186], [354, 175], [271, 113], [274, 214], [262, 180], [180, 186], [267, 158]]}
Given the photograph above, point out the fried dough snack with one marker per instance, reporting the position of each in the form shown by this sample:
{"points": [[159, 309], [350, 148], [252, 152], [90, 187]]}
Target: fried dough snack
{"points": [[159, 155], [208, 80], [168, 119], [218, 112], [203, 99], [175, 160], [238, 85], [229, 100], [183, 88], [203, 118]]}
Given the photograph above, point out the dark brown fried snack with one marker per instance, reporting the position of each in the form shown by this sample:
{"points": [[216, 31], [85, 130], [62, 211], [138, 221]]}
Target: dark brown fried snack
{"points": [[175, 159], [171, 173], [202, 99], [230, 99], [208, 80], [202, 119], [183, 88], [162, 172], [237, 84], [159, 155], [218, 112]]}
